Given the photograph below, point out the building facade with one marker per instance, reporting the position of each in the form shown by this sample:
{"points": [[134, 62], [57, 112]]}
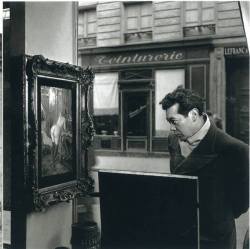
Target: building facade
{"points": [[140, 51]]}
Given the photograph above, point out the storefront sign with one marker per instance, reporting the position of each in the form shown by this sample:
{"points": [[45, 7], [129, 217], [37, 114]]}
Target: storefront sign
{"points": [[236, 51], [137, 58]]}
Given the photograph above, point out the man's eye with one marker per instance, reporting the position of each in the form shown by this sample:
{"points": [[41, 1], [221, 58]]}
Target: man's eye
{"points": [[174, 122]]}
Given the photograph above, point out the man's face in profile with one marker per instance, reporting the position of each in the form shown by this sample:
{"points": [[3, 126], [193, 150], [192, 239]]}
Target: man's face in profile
{"points": [[182, 126]]}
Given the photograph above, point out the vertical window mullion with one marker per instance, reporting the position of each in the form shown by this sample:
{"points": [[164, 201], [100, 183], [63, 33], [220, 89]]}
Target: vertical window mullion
{"points": [[200, 11], [150, 121], [86, 24], [139, 18]]}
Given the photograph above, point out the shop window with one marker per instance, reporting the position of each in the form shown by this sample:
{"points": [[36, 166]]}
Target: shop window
{"points": [[165, 81], [138, 22], [87, 28], [105, 102], [136, 87], [199, 18], [198, 81], [135, 120], [6, 13]]}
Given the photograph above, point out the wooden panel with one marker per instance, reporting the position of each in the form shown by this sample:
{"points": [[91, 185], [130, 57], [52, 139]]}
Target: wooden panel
{"points": [[108, 6], [167, 5], [136, 144], [222, 6], [167, 21], [108, 42], [230, 22], [109, 35], [114, 27], [107, 21], [228, 14], [160, 145], [167, 13], [110, 13], [167, 36], [167, 29], [230, 30]]}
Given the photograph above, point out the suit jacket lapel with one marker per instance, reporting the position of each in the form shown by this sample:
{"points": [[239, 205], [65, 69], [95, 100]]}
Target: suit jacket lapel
{"points": [[201, 156]]}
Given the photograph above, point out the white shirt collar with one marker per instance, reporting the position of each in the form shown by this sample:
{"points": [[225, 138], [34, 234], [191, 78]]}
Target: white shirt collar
{"points": [[201, 133]]}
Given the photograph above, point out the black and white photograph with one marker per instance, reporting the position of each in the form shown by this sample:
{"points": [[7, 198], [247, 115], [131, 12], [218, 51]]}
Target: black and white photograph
{"points": [[124, 124]]}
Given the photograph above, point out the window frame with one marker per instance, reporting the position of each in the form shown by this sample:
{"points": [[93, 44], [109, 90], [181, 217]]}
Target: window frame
{"points": [[200, 9], [89, 40], [140, 35], [85, 13]]}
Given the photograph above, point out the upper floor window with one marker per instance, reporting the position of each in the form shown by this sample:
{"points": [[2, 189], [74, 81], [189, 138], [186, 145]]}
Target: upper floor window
{"points": [[199, 18], [87, 27], [138, 22]]}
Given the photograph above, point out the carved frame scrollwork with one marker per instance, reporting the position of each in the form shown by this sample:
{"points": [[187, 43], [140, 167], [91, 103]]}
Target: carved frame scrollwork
{"points": [[37, 67]]}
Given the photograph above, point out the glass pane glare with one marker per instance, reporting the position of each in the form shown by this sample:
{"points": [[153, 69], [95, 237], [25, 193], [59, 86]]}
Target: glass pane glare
{"points": [[192, 5], [208, 15], [192, 16], [132, 24], [146, 22]]}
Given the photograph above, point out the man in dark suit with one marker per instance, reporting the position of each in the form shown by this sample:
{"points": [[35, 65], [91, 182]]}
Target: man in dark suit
{"points": [[198, 148]]}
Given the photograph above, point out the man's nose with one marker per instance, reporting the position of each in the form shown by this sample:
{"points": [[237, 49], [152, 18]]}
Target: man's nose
{"points": [[172, 127]]}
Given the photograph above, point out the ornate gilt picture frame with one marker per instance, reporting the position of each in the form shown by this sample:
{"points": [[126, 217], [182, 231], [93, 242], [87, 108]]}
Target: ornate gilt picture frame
{"points": [[58, 130]]}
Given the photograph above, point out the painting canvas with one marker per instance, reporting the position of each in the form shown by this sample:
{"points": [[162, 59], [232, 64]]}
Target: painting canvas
{"points": [[57, 121], [56, 131]]}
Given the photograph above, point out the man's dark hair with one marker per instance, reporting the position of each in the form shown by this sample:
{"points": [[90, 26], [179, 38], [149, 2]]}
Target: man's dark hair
{"points": [[186, 98]]}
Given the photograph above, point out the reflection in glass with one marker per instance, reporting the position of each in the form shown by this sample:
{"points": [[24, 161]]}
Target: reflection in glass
{"points": [[136, 114]]}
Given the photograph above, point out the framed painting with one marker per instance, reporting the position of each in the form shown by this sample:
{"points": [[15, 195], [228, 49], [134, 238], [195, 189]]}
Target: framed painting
{"points": [[58, 130]]}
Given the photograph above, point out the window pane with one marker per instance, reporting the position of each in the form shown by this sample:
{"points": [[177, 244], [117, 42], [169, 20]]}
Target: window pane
{"points": [[91, 28], [132, 10], [191, 5], [138, 16], [198, 79], [106, 103], [81, 24], [206, 4], [146, 22], [106, 125], [136, 105], [146, 9], [132, 24], [91, 22], [192, 16], [208, 15], [166, 81], [91, 16]]}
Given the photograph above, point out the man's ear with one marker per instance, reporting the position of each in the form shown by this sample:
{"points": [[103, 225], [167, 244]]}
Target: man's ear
{"points": [[193, 114]]}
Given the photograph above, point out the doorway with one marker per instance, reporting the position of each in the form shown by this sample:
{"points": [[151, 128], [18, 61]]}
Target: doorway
{"points": [[237, 98], [136, 120]]}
